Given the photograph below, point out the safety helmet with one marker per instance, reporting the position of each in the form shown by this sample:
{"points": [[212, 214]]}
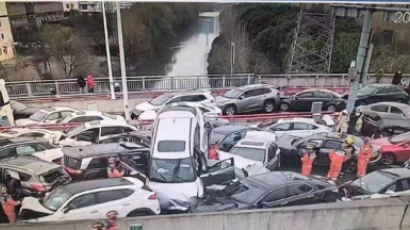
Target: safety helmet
{"points": [[349, 140]]}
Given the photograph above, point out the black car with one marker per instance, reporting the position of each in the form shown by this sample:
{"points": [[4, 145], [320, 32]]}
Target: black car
{"points": [[23, 146], [280, 188], [303, 100], [377, 92], [290, 147], [387, 181], [91, 162]]}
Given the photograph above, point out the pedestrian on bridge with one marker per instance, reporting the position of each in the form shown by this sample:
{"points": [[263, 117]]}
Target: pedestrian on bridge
{"points": [[81, 83], [364, 157], [397, 78], [308, 156], [91, 83]]}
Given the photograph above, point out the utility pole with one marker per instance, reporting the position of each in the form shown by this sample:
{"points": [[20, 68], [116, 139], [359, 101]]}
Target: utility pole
{"points": [[107, 50], [232, 56], [122, 64], [351, 100], [365, 38]]}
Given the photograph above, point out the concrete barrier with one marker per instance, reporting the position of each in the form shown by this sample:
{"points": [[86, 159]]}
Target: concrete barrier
{"points": [[386, 214]]}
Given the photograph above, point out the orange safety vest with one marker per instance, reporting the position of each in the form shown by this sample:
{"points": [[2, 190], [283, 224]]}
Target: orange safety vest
{"points": [[336, 164], [307, 162]]}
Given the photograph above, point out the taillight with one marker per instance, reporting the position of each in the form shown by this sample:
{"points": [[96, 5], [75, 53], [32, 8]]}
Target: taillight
{"points": [[153, 197]]}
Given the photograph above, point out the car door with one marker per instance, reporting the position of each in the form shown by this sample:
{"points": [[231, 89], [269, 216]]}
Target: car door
{"points": [[229, 141], [402, 151], [97, 167], [397, 118], [250, 101], [324, 97], [111, 130], [282, 129], [81, 207], [116, 199], [272, 158], [302, 129], [382, 94], [303, 101], [219, 173], [328, 146]]}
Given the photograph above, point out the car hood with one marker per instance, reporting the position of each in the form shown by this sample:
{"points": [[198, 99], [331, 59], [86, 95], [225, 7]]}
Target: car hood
{"points": [[222, 99], [148, 115], [49, 155], [25, 121], [240, 162], [31, 203], [176, 196], [214, 203], [145, 106]]}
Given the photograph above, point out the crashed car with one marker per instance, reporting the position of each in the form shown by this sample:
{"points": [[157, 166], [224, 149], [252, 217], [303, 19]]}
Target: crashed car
{"points": [[394, 149], [291, 146], [51, 136], [254, 151], [380, 183], [46, 116], [21, 110], [92, 200], [23, 146], [303, 100], [37, 177], [301, 127], [274, 189]]}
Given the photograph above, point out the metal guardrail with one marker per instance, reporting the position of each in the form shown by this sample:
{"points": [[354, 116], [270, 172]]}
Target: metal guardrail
{"points": [[26, 89]]}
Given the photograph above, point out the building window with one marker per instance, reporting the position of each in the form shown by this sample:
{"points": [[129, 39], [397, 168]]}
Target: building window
{"points": [[84, 7], [5, 50], [67, 6], [0, 23], [2, 36]]}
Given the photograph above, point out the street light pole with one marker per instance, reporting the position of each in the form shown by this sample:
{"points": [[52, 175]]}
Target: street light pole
{"points": [[107, 50], [232, 56], [122, 64]]}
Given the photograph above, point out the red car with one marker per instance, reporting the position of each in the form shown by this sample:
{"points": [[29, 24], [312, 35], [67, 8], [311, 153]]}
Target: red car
{"points": [[394, 149]]}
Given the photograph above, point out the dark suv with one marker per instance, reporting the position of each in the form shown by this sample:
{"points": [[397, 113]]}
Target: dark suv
{"points": [[91, 162]]}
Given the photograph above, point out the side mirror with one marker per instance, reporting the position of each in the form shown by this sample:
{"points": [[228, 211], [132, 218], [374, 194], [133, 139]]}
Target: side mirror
{"points": [[66, 210], [241, 97], [390, 192]]}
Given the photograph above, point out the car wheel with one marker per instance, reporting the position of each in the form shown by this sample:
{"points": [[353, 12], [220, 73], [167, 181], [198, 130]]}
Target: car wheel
{"points": [[136, 213], [349, 167], [230, 110], [269, 107], [331, 108], [284, 107], [387, 159]]}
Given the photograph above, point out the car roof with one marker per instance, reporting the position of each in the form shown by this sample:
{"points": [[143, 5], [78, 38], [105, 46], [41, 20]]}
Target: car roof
{"points": [[83, 186], [104, 123], [32, 164], [227, 129], [57, 108], [106, 149], [277, 178], [399, 172], [22, 140], [177, 111], [87, 113], [254, 86], [253, 143], [297, 119], [390, 103]]}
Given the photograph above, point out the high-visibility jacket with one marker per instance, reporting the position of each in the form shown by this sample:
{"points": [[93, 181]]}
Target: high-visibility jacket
{"points": [[214, 153], [364, 157], [336, 163], [307, 162], [9, 206]]}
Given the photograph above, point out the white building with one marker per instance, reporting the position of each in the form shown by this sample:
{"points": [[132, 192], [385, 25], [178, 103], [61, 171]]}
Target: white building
{"points": [[7, 50], [69, 5]]}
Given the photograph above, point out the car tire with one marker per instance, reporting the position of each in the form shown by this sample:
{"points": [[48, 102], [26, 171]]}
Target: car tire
{"points": [[139, 212], [284, 107], [269, 106], [331, 108], [230, 110], [387, 159]]}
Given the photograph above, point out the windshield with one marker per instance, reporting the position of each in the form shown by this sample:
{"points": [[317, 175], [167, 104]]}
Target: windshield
{"points": [[76, 130], [249, 153], [374, 182], [243, 192], [367, 90], [56, 199], [161, 99], [233, 93], [172, 170], [38, 116]]}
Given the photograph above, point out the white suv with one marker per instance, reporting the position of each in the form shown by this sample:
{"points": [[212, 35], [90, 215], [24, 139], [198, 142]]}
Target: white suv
{"points": [[200, 96], [177, 164], [92, 132], [92, 200]]}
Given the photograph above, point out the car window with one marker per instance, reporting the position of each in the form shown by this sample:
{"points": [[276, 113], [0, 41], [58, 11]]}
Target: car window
{"points": [[24, 176], [281, 127], [380, 108], [53, 116], [82, 201], [396, 110], [88, 135], [107, 196], [299, 189], [98, 163], [264, 91], [316, 142], [25, 150], [8, 152], [277, 194], [193, 98], [400, 185], [321, 94], [272, 151], [171, 146], [86, 119], [33, 134], [300, 126], [38, 147], [231, 140], [305, 95], [111, 130], [127, 129], [250, 93], [388, 90], [332, 144]]}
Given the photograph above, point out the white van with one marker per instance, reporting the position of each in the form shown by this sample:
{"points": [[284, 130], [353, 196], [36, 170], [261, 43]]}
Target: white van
{"points": [[6, 113], [177, 169]]}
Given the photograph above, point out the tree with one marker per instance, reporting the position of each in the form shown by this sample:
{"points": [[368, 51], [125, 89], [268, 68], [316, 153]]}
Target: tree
{"points": [[69, 50]]}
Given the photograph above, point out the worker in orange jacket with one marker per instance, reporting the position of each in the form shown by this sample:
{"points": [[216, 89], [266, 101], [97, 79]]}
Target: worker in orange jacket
{"points": [[308, 156], [214, 152], [337, 158], [364, 157], [9, 205]]}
